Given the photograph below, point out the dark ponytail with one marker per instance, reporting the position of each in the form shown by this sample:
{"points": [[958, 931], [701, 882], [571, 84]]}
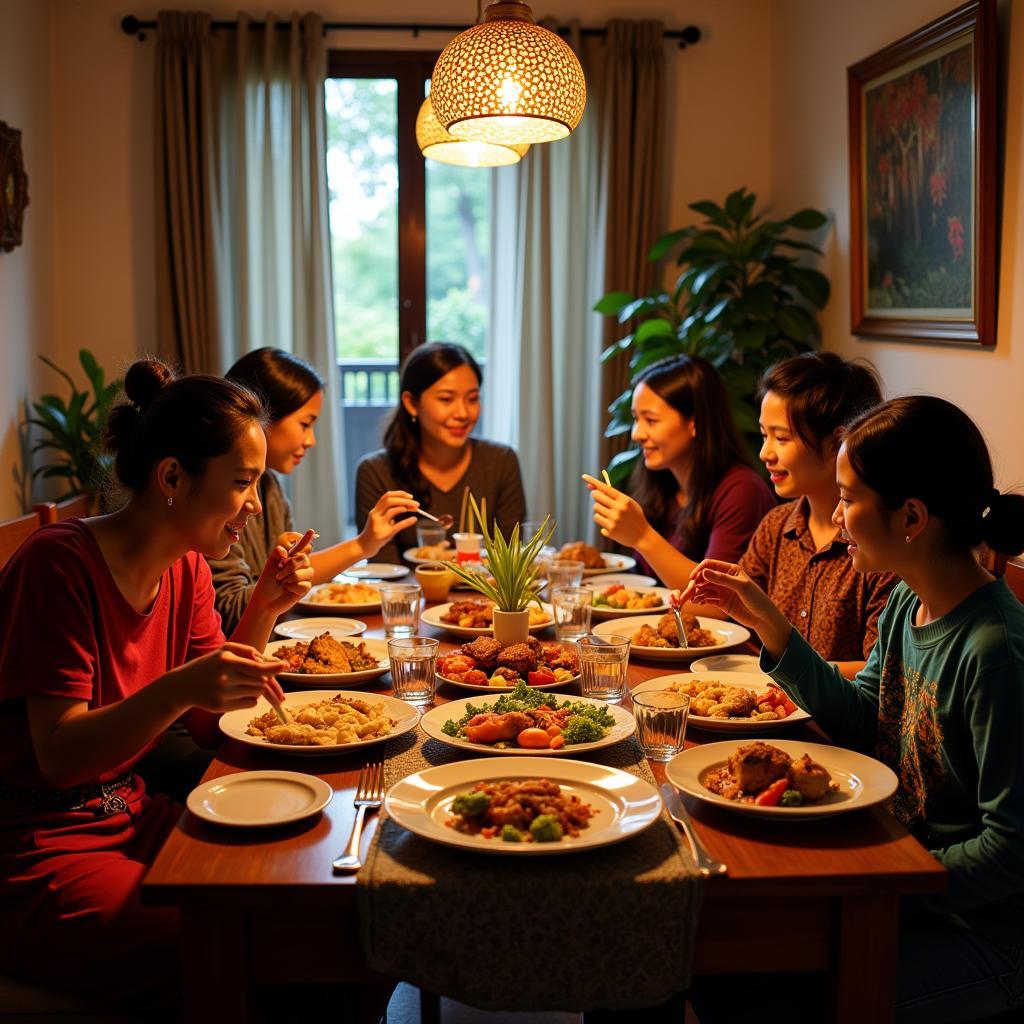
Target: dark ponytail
{"points": [[284, 381], [904, 449], [192, 419]]}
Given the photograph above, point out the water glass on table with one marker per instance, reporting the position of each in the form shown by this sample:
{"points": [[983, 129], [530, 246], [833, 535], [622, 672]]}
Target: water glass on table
{"points": [[400, 608], [412, 668], [603, 662], [661, 717], [561, 572], [572, 611], [430, 535]]}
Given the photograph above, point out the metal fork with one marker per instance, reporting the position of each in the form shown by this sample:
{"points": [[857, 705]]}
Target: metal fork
{"points": [[369, 796]]}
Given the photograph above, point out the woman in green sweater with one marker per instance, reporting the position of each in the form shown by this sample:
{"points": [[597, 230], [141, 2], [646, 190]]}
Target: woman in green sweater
{"points": [[941, 699]]}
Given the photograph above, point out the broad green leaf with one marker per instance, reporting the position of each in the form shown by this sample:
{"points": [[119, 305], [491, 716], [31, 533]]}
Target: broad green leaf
{"points": [[807, 220], [653, 329], [795, 323], [667, 242], [646, 304], [615, 349], [611, 303], [63, 373], [712, 211], [793, 244], [641, 360], [811, 284], [716, 311], [734, 204], [620, 467]]}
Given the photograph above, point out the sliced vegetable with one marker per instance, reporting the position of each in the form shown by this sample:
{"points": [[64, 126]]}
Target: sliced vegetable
{"points": [[534, 739], [771, 796], [542, 677]]}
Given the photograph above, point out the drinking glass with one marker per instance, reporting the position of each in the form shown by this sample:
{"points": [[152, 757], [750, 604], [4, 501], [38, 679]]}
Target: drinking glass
{"points": [[572, 611], [529, 530], [467, 546], [603, 661], [561, 572], [400, 608], [430, 535], [412, 668], [661, 717]]}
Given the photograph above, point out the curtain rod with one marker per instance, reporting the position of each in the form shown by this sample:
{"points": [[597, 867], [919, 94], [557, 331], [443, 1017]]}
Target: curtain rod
{"points": [[132, 26]]}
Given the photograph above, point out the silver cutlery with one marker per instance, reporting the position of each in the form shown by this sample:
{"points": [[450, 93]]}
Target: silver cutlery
{"points": [[706, 864], [369, 796], [680, 629], [445, 519]]}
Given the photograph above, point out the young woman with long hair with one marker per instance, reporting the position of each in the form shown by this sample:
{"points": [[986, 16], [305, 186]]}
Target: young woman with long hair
{"points": [[429, 451], [293, 392], [695, 494], [109, 635], [941, 699]]}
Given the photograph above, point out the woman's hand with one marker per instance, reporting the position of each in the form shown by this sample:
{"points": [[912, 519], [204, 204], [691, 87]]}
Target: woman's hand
{"points": [[621, 519], [233, 676], [386, 520], [728, 587], [285, 579]]}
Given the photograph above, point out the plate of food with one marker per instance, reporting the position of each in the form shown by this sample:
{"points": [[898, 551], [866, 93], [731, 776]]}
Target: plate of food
{"points": [[783, 780], [627, 579], [473, 618], [372, 571], [306, 629], [432, 553], [329, 659], [259, 799], [595, 562], [322, 722], [503, 805], [485, 666], [733, 702], [350, 597], [528, 722], [615, 599], [654, 636]]}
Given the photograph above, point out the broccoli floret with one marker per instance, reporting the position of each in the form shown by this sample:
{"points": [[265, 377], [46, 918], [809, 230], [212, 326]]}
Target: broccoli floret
{"points": [[450, 728], [471, 805], [510, 834], [546, 828], [792, 798], [582, 729]]}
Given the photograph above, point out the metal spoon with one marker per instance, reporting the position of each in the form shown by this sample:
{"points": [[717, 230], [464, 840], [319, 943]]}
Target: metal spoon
{"points": [[445, 519]]}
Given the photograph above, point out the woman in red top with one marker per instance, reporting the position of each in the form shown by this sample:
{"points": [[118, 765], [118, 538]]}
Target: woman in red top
{"points": [[108, 635]]}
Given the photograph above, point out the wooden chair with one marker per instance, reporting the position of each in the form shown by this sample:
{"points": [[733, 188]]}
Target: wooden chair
{"points": [[70, 508], [13, 532]]}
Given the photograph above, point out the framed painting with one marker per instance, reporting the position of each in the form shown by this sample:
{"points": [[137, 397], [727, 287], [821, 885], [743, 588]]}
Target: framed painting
{"points": [[923, 229]]}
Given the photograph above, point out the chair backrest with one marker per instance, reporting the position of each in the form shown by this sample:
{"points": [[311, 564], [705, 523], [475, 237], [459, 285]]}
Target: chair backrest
{"points": [[69, 508], [14, 531]]}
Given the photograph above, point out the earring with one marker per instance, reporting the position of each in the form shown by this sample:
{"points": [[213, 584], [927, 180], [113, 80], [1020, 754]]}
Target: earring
{"points": [[414, 419], [907, 538], [170, 502]]}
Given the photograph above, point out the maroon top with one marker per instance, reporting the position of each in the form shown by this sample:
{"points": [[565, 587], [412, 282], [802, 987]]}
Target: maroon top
{"points": [[833, 606], [739, 502]]}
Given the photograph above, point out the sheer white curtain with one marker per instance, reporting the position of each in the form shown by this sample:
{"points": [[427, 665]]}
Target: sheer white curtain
{"points": [[273, 236], [544, 342]]}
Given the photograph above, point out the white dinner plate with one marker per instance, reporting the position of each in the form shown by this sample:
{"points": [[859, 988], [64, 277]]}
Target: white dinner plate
{"points": [[234, 723], [306, 629], [741, 726], [336, 606], [627, 579], [604, 612], [862, 780], [377, 648], [432, 616], [434, 719], [728, 663], [612, 563], [259, 799], [409, 554], [729, 634], [624, 805], [372, 571]]}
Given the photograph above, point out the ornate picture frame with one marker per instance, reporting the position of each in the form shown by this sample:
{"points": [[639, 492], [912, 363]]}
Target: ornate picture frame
{"points": [[923, 165], [13, 187]]}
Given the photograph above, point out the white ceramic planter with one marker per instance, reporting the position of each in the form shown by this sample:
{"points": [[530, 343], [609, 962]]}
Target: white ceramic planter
{"points": [[511, 627]]}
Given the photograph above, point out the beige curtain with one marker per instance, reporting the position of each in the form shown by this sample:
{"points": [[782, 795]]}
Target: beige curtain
{"points": [[632, 134], [186, 285]]}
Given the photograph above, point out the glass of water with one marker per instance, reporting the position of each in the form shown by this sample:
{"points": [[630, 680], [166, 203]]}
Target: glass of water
{"points": [[661, 717], [572, 611], [400, 608], [412, 668], [603, 662], [561, 572]]}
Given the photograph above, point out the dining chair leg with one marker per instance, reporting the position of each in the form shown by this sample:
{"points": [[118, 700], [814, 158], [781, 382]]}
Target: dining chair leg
{"points": [[430, 1007]]}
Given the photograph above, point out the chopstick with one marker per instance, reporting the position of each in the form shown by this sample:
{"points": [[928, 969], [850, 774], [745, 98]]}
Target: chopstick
{"points": [[607, 479], [278, 709], [306, 538]]}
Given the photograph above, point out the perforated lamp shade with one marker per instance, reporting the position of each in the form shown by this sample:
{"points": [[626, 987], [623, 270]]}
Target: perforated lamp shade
{"points": [[508, 80], [437, 144]]}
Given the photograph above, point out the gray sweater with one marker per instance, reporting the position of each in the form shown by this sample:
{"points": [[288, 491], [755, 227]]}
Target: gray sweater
{"points": [[493, 474], [235, 575]]}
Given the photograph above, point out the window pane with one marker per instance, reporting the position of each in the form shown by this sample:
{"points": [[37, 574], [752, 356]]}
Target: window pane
{"points": [[458, 247], [362, 175]]}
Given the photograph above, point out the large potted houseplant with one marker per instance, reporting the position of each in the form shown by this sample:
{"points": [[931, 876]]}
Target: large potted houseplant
{"points": [[742, 300], [71, 431], [511, 577]]}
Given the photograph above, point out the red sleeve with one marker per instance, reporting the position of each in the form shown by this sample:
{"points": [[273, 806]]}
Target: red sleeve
{"points": [[739, 503], [206, 633], [47, 634]]}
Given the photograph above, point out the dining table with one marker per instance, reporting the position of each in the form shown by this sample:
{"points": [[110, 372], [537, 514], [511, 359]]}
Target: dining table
{"points": [[263, 905]]}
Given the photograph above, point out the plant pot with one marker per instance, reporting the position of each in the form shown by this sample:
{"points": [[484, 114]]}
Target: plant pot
{"points": [[511, 627]]}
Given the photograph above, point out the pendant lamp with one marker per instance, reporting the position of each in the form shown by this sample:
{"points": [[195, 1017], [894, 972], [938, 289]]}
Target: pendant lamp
{"points": [[437, 144], [508, 80]]}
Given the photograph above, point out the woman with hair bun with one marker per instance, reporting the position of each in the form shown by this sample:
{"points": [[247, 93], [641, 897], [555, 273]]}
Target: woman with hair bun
{"points": [[429, 451], [293, 392], [109, 635], [941, 699]]}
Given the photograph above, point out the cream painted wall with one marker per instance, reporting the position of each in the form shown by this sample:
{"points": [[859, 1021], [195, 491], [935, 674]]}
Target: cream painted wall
{"points": [[27, 273], [815, 41]]}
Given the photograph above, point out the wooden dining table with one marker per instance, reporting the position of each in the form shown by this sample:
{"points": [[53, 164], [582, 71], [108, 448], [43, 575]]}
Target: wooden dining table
{"points": [[262, 905]]}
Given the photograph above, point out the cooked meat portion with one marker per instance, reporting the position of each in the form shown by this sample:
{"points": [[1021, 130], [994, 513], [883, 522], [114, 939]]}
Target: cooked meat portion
{"points": [[810, 778], [580, 552], [757, 765], [484, 650], [518, 657], [325, 654]]}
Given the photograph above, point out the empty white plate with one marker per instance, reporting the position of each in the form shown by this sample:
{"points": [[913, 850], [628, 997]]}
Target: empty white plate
{"points": [[373, 571], [259, 799], [307, 629], [627, 579], [728, 663]]}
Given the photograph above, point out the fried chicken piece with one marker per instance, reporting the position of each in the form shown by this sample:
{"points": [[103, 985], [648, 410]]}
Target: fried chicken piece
{"points": [[667, 629], [809, 778], [484, 650], [325, 654], [585, 553], [647, 636], [757, 765], [518, 657]]}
